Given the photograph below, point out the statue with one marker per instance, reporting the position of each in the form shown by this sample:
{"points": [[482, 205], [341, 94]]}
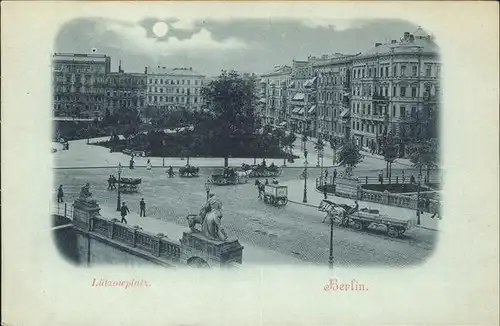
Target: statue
{"points": [[86, 195], [210, 220]]}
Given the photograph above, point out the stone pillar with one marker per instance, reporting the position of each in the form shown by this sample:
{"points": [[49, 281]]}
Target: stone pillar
{"points": [[83, 213], [196, 249]]}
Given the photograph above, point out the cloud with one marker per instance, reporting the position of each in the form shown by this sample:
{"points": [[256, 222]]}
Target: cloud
{"points": [[134, 38], [337, 24], [186, 24]]}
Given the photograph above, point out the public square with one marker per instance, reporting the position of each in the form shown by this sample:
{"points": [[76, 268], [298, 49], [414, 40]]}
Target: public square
{"points": [[290, 234]]}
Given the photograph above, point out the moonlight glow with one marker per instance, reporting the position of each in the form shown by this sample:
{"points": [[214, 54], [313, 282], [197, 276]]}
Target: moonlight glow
{"points": [[160, 29]]}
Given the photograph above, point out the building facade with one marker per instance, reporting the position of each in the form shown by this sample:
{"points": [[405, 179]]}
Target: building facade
{"points": [[272, 93], [170, 89], [125, 90], [395, 89], [302, 92], [79, 84]]}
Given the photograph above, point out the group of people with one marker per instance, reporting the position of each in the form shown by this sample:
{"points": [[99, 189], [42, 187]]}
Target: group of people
{"points": [[124, 210]]}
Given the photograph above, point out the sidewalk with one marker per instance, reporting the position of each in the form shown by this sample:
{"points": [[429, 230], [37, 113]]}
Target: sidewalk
{"points": [[252, 255], [82, 155], [314, 198]]}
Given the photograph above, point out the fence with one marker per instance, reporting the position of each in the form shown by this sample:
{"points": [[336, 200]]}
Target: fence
{"points": [[395, 179], [425, 204], [62, 209]]}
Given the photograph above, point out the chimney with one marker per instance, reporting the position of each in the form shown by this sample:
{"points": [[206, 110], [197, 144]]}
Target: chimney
{"points": [[407, 35], [145, 70], [378, 44], [412, 38], [393, 41]]}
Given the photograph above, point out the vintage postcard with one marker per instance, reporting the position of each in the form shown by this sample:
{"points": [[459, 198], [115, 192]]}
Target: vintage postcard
{"points": [[283, 163]]}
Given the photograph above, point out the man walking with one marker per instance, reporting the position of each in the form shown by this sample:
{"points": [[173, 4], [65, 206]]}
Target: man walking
{"points": [[123, 211], [60, 194], [142, 205], [334, 174]]}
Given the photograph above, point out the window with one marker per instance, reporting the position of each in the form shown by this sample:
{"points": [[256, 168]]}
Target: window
{"points": [[402, 111], [189, 82], [363, 110], [156, 98], [369, 109], [156, 81], [402, 91], [403, 70], [381, 72], [413, 92], [386, 71], [393, 91], [177, 82], [414, 70], [177, 90], [428, 70], [357, 125], [413, 112], [161, 81], [393, 110], [183, 82]]}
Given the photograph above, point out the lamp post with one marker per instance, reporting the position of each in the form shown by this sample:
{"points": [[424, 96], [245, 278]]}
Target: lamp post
{"points": [[119, 169], [330, 259], [418, 198], [207, 188], [304, 199]]}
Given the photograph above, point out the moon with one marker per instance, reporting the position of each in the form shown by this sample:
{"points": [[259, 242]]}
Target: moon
{"points": [[160, 29]]}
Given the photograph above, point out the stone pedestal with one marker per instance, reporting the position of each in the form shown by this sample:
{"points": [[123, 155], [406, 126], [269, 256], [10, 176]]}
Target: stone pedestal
{"points": [[198, 250], [347, 188], [83, 212]]}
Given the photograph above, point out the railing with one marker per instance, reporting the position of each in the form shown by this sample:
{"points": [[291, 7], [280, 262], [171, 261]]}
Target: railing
{"points": [[62, 209]]}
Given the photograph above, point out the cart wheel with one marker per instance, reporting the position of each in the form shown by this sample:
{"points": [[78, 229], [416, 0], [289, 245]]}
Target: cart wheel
{"points": [[357, 225], [265, 199], [392, 232], [285, 201], [401, 231]]}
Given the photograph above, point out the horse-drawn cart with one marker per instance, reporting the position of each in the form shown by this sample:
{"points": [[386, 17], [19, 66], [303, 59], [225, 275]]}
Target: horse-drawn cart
{"points": [[276, 195], [189, 171], [129, 185], [261, 171], [345, 215]]}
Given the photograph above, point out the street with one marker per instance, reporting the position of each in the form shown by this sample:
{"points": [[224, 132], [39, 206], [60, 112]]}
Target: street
{"points": [[294, 230]]}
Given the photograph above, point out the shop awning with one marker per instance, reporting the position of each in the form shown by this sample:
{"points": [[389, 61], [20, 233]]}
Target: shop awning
{"points": [[292, 84], [298, 97], [296, 110], [262, 100], [346, 113], [301, 111], [312, 109], [283, 123], [310, 82]]}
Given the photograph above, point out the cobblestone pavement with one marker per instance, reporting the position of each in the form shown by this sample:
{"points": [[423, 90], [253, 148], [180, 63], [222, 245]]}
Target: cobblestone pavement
{"points": [[295, 230]]}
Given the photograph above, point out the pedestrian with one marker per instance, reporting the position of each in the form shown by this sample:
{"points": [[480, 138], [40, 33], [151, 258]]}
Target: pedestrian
{"points": [[123, 211], [148, 165], [334, 174], [381, 177], [325, 194], [326, 174], [258, 185], [60, 194], [267, 182], [412, 179], [142, 205], [131, 166], [110, 182]]}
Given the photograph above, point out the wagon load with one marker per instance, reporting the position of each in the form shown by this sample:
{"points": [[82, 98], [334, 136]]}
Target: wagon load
{"points": [[128, 185], [276, 195], [189, 171]]}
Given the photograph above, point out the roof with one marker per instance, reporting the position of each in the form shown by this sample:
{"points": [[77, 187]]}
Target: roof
{"points": [[187, 72], [417, 45]]}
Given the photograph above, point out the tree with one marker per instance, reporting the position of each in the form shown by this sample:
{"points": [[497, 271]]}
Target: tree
{"points": [[424, 154], [349, 156], [232, 100], [334, 144], [319, 146], [288, 143], [390, 153]]}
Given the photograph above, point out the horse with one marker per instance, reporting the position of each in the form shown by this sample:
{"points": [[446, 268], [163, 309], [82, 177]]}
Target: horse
{"points": [[335, 211], [242, 174]]}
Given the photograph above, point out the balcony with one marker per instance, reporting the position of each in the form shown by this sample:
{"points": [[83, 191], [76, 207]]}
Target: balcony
{"points": [[379, 98]]}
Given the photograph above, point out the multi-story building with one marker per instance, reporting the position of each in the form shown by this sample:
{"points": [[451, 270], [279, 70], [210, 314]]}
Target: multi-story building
{"points": [[302, 94], [79, 84], [272, 96], [125, 90], [169, 89], [395, 89], [333, 108]]}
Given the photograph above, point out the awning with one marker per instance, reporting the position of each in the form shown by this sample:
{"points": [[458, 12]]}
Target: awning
{"points": [[292, 84], [283, 123], [301, 111], [310, 82], [296, 110], [347, 94], [298, 97], [262, 100], [346, 113], [312, 109]]}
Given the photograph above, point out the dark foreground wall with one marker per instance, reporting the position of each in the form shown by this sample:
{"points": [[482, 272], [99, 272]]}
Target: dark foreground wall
{"points": [[81, 249]]}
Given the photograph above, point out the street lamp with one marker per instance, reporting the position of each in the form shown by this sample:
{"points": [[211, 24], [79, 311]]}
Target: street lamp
{"points": [[418, 198], [119, 169], [330, 259], [304, 199], [207, 188]]}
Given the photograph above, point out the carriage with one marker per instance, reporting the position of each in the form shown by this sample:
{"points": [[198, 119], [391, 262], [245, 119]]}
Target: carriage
{"points": [[365, 217], [189, 171], [276, 195], [221, 179], [260, 171], [129, 185]]}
